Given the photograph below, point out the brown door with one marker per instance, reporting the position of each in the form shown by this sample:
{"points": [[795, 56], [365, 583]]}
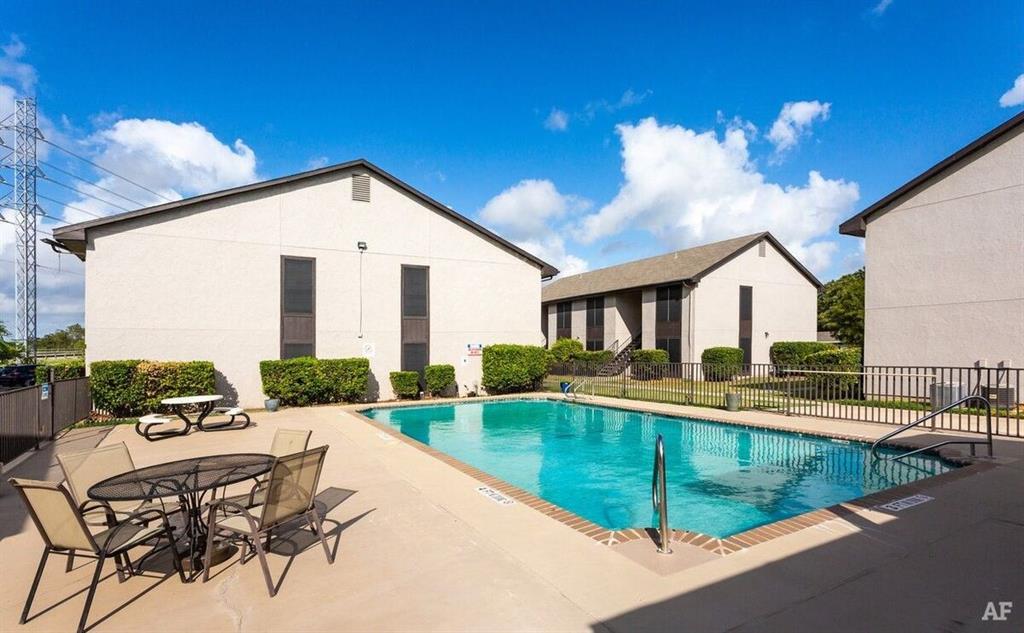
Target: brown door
{"points": [[298, 307], [415, 318]]}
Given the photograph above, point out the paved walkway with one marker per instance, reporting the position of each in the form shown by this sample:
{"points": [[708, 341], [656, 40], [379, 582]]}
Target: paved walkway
{"points": [[419, 549]]}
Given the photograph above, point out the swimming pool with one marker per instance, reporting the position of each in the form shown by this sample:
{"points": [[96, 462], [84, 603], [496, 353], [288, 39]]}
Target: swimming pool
{"points": [[596, 461]]}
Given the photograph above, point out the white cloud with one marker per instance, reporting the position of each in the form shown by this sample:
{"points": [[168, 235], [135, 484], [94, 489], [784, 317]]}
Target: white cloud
{"points": [[1015, 95], [557, 121], [794, 121], [317, 162], [527, 214], [881, 7], [689, 188], [173, 159]]}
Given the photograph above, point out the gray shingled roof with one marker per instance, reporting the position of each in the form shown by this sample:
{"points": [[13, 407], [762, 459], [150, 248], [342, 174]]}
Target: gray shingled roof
{"points": [[686, 265]]}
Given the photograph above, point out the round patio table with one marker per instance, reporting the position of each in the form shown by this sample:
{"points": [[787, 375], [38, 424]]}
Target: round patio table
{"points": [[205, 403], [189, 480]]}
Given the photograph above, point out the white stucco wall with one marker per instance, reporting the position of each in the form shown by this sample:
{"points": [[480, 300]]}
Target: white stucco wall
{"points": [[784, 304], [945, 268], [189, 285]]}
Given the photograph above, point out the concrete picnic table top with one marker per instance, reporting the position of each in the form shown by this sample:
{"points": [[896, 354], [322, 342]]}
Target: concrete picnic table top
{"points": [[191, 400]]}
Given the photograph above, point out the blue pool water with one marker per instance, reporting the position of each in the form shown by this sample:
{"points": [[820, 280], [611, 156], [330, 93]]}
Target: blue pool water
{"points": [[597, 461]]}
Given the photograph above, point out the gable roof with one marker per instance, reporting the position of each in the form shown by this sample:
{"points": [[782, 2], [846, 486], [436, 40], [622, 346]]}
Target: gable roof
{"points": [[73, 236], [688, 265], [857, 225]]}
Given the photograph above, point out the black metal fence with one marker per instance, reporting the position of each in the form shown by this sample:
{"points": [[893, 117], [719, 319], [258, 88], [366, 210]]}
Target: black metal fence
{"points": [[885, 394], [33, 414]]}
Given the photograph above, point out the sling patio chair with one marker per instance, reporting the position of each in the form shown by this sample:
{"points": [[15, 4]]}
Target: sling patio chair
{"points": [[83, 469], [286, 442], [290, 495], [64, 531]]}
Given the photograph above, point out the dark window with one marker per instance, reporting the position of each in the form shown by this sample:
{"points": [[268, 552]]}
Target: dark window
{"points": [[415, 318], [670, 345], [298, 286], [595, 324], [746, 321], [669, 307], [298, 307], [563, 322]]}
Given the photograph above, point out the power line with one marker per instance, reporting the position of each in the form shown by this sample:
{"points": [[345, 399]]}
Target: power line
{"points": [[95, 215], [102, 168], [92, 184], [45, 267], [83, 193]]}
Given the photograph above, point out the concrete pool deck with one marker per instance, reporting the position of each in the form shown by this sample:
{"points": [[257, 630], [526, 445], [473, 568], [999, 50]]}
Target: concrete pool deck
{"points": [[419, 548]]}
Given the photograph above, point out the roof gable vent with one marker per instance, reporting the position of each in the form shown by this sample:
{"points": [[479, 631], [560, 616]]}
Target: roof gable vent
{"points": [[361, 187]]}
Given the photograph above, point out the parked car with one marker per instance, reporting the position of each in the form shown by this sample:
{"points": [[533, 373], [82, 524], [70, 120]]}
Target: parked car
{"points": [[15, 376]]}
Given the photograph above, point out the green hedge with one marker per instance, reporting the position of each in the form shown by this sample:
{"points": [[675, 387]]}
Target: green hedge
{"points": [[439, 378], [721, 363], [649, 356], [63, 369], [513, 368], [792, 353], [597, 357], [833, 386], [565, 349], [134, 387], [114, 388], [405, 384], [648, 364], [305, 381]]}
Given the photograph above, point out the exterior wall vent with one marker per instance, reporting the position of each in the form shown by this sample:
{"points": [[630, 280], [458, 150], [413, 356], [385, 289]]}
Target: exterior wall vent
{"points": [[761, 249], [361, 187]]}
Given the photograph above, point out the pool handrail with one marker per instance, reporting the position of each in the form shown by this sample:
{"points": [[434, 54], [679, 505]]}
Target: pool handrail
{"points": [[935, 414], [659, 496]]}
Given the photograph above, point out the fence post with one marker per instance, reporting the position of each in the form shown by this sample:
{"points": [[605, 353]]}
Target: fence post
{"points": [[49, 378]]}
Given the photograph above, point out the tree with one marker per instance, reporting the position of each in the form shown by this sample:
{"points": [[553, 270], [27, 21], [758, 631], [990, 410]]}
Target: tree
{"points": [[841, 308], [71, 337], [8, 349]]}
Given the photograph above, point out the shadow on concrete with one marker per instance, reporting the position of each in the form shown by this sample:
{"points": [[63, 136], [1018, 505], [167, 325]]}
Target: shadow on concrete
{"points": [[898, 575], [41, 465]]}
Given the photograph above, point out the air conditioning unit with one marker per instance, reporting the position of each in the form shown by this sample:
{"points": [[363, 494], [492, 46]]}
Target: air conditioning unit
{"points": [[944, 394], [1000, 396]]}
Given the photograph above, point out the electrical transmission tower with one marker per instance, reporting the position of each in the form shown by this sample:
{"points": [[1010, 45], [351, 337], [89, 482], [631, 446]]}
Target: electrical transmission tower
{"points": [[25, 171]]}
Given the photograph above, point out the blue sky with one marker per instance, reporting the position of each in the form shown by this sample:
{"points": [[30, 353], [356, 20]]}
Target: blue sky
{"points": [[591, 133]]}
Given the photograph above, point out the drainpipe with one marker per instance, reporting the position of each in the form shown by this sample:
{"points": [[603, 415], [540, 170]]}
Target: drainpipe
{"points": [[689, 321]]}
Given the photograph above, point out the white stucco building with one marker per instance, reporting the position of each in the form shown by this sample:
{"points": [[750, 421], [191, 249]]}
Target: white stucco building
{"points": [[944, 260], [746, 292], [336, 262]]}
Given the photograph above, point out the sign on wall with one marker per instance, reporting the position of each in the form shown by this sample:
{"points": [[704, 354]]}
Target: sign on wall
{"points": [[475, 349]]}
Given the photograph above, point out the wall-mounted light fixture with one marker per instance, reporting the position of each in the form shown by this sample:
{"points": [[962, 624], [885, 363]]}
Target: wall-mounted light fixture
{"points": [[361, 246]]}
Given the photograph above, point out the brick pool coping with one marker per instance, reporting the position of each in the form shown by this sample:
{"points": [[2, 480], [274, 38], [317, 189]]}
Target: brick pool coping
{"points": [[720, 546]]}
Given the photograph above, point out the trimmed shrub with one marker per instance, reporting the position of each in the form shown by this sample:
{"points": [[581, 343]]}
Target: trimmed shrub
{"points": [[792, 353], [405, 384], [114, 388], [306, 380], [439, 378], [649, 356], [512, 368], [565, 349], [172, 379], [63, 369], [133, 387], [837, 359], [648, 364], [345, 379], [721, 363], [597, 357]]}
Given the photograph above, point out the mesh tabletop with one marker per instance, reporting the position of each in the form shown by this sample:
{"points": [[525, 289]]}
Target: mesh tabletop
{"points": [[182, 477]]}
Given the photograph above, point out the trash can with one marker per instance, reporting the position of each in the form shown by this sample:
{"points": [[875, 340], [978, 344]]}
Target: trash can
{"points": [[732, 402], [565, 387]]}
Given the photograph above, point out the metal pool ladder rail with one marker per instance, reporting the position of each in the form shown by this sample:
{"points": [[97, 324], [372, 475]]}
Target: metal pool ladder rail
{"points": [[659, 496], [932, 416]]}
